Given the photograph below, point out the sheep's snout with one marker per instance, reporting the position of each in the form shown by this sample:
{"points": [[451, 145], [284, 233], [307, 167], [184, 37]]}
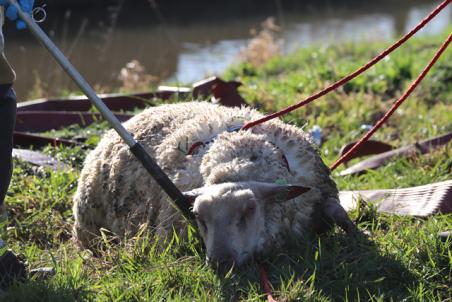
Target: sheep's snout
{"points": [[223, 260]]}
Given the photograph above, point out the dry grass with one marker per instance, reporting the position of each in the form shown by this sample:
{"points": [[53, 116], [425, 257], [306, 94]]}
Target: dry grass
{"points": [[134, 77], [264, 45]]}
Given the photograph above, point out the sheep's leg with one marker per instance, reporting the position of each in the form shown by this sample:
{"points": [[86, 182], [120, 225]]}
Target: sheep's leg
{"points": [[334, 211]]}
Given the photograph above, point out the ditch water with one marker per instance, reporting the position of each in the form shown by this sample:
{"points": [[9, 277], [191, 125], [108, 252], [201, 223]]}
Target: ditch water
{"points": [[189, 40]]}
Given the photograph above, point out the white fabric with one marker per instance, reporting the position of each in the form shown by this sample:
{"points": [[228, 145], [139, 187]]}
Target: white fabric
{"points": [[416, 201]]}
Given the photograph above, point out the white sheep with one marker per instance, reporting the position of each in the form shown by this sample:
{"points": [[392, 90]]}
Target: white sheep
{"points": [[246, 186]]}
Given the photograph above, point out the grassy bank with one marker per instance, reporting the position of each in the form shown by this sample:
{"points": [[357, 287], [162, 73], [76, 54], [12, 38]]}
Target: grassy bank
{"points": [[402, 259]]}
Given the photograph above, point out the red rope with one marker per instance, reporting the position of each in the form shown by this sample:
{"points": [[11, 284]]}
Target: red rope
{"points": [[263, 272], [395, 105], [266, 284], [351, 76]]}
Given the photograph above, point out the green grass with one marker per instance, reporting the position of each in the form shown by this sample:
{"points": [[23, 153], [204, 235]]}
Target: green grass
{"points": [[402, 260]]}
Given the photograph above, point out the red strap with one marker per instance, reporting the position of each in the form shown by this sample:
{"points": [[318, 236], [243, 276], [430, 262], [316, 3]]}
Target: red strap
{"points": [[266, 283], [194, 147], [351, 76]]}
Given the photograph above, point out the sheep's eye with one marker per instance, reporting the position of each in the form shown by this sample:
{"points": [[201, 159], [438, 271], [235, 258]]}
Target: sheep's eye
{"points": [[249, 210], [247, 213]]}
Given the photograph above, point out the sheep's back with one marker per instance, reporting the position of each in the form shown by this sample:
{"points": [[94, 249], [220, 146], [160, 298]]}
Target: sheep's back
{"points": [[115, 192]]}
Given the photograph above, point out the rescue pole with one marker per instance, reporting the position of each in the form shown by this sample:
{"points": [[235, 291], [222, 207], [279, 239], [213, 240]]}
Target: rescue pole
{"points": [[178, 199]]}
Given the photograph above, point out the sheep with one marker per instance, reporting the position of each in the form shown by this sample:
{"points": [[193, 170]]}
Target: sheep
{"points": [[250, 190]]}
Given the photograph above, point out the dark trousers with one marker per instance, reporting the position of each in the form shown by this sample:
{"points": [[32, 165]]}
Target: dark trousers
{"points": [[7, 122]]}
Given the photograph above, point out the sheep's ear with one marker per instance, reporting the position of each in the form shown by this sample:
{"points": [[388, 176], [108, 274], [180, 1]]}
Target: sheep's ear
{"points": [[279, 193], [190, 196]]}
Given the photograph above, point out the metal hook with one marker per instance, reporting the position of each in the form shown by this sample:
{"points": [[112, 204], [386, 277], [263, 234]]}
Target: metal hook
{"points": [[37, 12]]}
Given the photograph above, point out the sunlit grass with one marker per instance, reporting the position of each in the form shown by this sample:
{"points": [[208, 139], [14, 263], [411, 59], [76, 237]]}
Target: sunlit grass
{"points": [[403, 259]]}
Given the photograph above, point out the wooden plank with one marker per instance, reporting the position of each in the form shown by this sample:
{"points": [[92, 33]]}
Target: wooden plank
{"points": [[40, 121], [381, 159], [26, 140]]}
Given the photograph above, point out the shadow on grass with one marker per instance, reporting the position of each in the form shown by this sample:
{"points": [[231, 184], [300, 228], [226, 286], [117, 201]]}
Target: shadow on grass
{"points": [[31, 290], [335, 267]]}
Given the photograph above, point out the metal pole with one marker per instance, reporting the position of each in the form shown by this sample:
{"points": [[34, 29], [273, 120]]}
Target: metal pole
{"points": [[135, 147]]}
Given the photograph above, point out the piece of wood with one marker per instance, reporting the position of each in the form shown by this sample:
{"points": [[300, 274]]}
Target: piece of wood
{"points": [[115, 102], [381, 159], [40, 121], [416, 201], [371, 147], [26, 140], [225, 93], [38, 159], [52, 114], [223, 90]]}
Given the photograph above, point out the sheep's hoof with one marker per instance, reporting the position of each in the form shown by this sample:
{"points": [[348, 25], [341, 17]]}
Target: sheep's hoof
{"points": [[335, 212]]}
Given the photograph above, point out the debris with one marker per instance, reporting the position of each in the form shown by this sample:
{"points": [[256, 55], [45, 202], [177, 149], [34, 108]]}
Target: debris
{"points": [[419, 201], [316, 133], [115, 102], [42, 273], [48, 114], [25, 140], [38, 159], [366, 127], [370, 147], [223, 92], [40, 121], [380, 159]]}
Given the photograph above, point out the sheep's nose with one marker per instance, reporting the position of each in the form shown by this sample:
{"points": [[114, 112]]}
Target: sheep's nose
{"points": [[222, 264]]}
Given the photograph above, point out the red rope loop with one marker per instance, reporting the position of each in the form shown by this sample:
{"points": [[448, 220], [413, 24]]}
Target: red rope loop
{"points": [[353, 75]]}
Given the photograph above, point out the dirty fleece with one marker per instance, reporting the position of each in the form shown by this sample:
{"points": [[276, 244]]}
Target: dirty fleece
{"points": [[116, 193]]}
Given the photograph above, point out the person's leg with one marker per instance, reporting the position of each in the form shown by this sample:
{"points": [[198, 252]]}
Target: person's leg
{"points": [[11, 267], [7, 121]]}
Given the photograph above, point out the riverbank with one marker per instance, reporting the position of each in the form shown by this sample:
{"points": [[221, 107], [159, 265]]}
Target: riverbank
{"points": [[403, 259], [183, 42]]}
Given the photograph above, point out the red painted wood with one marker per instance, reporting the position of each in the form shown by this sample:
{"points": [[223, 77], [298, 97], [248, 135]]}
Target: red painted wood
{"points": [[40, 121]]}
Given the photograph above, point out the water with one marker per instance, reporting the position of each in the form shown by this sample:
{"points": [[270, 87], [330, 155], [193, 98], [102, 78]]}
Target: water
{"points": [[187, 41]]}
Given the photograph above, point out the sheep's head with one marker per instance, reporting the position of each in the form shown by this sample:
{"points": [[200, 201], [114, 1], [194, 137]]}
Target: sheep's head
{"points": [[231, 218]]}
